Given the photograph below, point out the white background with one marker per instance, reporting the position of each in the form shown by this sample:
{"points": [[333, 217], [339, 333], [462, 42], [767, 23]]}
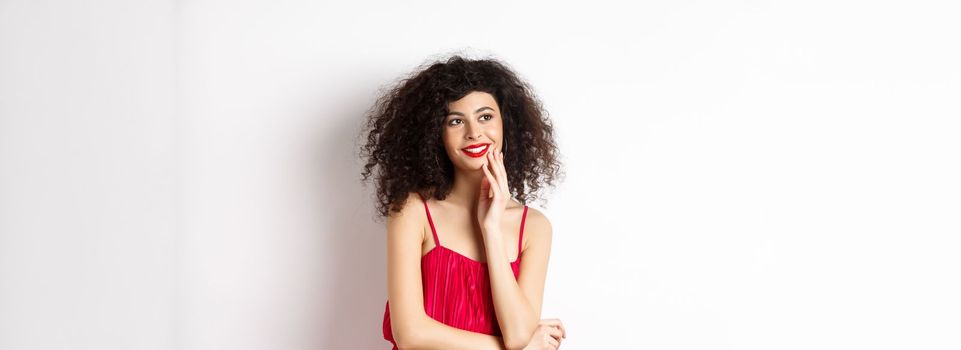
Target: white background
{"points": [[740, 174]]}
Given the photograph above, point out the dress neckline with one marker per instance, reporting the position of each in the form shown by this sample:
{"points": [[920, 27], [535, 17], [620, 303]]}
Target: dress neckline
{"points": [[433, 231], [465, 257]]}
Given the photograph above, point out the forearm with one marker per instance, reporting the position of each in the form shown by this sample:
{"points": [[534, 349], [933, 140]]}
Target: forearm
{"points": [[432, 334], [515, 315]]}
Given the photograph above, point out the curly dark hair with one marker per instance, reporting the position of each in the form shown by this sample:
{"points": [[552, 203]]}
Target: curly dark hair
{"points": [[404, 132]]}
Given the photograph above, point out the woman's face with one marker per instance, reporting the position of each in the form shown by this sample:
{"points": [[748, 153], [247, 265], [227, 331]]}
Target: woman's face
{"points": [[472, 128]]}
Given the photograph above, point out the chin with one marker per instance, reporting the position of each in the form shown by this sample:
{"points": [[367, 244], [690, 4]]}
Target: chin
{"points": [[469, 166]]}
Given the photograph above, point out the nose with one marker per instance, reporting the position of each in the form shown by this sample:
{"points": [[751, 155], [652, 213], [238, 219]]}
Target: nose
{"points": [[473, 132]]}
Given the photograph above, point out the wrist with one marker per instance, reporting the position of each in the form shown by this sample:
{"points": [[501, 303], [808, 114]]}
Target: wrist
{"points": [[492, 232]]}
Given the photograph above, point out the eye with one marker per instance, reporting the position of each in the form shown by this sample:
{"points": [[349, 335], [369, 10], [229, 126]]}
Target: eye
{"points": [[451, 122], [489, 116]]}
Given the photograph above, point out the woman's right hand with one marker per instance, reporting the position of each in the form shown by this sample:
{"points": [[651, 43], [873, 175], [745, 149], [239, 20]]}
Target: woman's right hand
{"points": [[548, 335]]}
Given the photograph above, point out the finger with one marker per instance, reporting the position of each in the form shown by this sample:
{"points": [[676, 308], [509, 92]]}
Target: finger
{"points": [[484, 183], [553, 342], [491, 180], [485, 188], [492, 162], [550, 342], [556, 323], [555, 332], [502, 169]]}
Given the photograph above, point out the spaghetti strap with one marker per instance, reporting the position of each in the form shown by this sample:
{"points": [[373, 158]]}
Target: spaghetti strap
{"points": [[520, 237], [456, 288], [430, 220]]}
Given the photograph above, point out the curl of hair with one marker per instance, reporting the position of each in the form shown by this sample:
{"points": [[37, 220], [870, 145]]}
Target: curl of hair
{"points": [[404, 132]]}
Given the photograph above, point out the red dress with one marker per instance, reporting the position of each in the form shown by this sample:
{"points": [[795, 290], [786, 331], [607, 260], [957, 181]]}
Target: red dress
{"points": [[457, 288]]}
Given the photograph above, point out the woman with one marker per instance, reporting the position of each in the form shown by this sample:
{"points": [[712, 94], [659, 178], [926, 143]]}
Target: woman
{"points": [[455, 144]]}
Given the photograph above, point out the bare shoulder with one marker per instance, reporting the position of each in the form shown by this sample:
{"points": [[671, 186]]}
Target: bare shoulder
{"points": [[408, 209], [537, 227], [410, 220]]}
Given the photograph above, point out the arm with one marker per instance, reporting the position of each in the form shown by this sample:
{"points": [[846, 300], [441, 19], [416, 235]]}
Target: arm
{"points": [[412, 328], [517, 303]]}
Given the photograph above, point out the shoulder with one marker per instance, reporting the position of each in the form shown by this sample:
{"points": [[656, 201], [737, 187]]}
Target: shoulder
{"points": [[409, 207], [411, 219], [537, 226], [537, 221]]}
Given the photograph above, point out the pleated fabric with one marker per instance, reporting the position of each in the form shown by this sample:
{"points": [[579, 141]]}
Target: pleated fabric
{"points": [[457, 288]]}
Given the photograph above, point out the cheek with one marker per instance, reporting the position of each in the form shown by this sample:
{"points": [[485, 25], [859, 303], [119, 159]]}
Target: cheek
{"points": [[448, 140], [497, 130], [451, 133]]}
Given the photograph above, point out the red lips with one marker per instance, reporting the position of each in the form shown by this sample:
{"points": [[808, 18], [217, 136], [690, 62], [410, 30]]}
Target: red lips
{"points": [[482, 146]]}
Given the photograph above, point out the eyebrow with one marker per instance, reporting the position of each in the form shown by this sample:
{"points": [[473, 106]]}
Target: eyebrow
{"points": [[475, 112]]}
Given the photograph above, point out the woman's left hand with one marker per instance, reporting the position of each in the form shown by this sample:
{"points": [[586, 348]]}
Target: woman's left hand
{"points": [[494, 192]]}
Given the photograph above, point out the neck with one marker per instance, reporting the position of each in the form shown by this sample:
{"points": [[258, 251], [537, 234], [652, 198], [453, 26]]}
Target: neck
{"points": [[466, 188]]}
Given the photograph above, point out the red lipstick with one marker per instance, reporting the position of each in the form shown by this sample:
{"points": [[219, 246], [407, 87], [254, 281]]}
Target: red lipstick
{"points": [[479, 150]]}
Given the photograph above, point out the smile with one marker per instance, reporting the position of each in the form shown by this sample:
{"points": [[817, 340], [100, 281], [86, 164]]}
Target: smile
{"points": [[476, 151]]}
